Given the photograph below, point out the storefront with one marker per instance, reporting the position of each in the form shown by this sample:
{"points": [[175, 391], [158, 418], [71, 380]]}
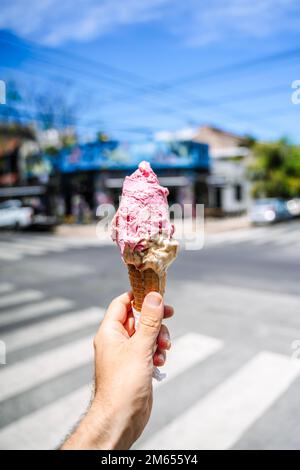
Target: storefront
{"points": [[26, 174], [95, 172]]}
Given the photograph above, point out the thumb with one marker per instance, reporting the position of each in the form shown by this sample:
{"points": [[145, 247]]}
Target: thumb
{"points": [[150, 319]]}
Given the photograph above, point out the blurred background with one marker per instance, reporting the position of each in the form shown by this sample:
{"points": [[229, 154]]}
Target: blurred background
{"points": [[209, 94]]}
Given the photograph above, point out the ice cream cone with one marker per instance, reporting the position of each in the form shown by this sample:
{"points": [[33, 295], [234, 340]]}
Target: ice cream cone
{"points": [[143, 282]]}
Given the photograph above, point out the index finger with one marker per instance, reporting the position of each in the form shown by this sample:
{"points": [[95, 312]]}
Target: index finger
{"points": [[119, 308]]}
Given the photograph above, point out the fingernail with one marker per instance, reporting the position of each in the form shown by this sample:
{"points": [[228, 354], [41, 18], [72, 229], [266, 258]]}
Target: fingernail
{"points": [[166, 340], [161, 358], [153, 299]]}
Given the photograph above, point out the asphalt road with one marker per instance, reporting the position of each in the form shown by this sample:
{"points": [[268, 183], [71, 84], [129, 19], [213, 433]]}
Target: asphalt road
{"points": [[232, 382]]}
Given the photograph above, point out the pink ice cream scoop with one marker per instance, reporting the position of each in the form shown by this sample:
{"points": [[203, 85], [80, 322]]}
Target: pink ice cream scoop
{"points": [[143, 214], [143, 232]]}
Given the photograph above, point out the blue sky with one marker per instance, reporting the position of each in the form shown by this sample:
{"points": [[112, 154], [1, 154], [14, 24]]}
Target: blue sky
{"points": [[166, 59]]}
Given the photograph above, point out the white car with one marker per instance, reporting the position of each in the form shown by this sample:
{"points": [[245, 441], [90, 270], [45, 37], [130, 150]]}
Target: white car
{"points": [[12, 214]]}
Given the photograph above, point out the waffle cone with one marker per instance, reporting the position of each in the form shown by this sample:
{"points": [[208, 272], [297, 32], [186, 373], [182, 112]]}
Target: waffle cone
{"points": [[143, 282]]}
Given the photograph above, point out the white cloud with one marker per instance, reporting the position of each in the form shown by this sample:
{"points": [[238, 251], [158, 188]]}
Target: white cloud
{"points": [[199, 22], [210, 21], [54, 22]]}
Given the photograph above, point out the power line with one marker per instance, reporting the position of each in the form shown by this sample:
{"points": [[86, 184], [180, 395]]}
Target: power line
{"points": [[227, 69], [161, 89], [104, 71], [154, 86]]}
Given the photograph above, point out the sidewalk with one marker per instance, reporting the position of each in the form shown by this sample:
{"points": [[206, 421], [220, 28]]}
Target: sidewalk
{"points": [[211, 226]]}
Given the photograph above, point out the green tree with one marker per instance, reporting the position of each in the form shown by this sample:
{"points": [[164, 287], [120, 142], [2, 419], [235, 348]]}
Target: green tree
{"points": [[275, 170]]}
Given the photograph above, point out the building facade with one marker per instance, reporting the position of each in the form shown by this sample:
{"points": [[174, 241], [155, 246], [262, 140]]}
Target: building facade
{"points": [[95, 172], [228, 188]]}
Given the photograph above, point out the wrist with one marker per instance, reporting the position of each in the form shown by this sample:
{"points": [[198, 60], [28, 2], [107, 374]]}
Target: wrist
{"points": [[105, 427], [101, 429]]}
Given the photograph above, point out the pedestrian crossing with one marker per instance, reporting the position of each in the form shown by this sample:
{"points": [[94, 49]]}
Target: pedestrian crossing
{"points": [[229, 410], [34, 311], [16, 247], [287, 235], [5, 287], [20, 297], [217, 421], [54, 327]]}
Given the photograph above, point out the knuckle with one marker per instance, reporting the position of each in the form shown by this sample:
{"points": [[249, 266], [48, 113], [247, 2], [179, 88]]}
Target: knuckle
{"points": [[114, 303], [150, 322], [164, 330]]}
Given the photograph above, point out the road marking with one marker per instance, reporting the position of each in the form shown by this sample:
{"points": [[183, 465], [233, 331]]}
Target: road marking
{"points": [[82, 242], [9, 256], [258, 234], [22, 248], [6, 287], [187, 351], [35, 311], [30, 432], [289, 238], [54, 327], [219, 420], [50, 245], [274, 233], [39, 244], [235, 236], [20, 297], [26, 374]]}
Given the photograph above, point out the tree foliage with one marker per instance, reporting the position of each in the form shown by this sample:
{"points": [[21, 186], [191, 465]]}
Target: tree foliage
{"points": [[275, 170]]}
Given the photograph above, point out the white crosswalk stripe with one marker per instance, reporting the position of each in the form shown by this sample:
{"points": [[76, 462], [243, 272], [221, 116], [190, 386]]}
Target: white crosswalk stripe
{"points": [[20, 297], [278, 235], [187, 351], [220, 419], [15, 248], [40, 243], [22, 248], [34, 311], [19, 377], [6, 287], [9, 255], [30, 432], [288, 239], [273, 235], [72, 321], [236, 236]]}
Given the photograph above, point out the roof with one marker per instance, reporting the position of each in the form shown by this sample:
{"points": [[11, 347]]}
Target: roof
{"points": [[16, 130], [12, 136], [217, 138]]}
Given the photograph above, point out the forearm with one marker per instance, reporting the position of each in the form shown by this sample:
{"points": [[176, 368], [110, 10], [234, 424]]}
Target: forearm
{"points": [[98, 430]]}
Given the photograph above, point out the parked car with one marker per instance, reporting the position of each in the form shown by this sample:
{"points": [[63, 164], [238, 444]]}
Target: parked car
{"points": [[293, 206], [13, 214], [270, 210]]}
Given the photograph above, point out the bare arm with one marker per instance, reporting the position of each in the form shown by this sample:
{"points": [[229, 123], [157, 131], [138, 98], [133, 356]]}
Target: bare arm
{"points": [[124, 361]]}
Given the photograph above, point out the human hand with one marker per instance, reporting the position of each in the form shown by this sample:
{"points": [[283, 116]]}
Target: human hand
{"points": [[124, 360]]}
